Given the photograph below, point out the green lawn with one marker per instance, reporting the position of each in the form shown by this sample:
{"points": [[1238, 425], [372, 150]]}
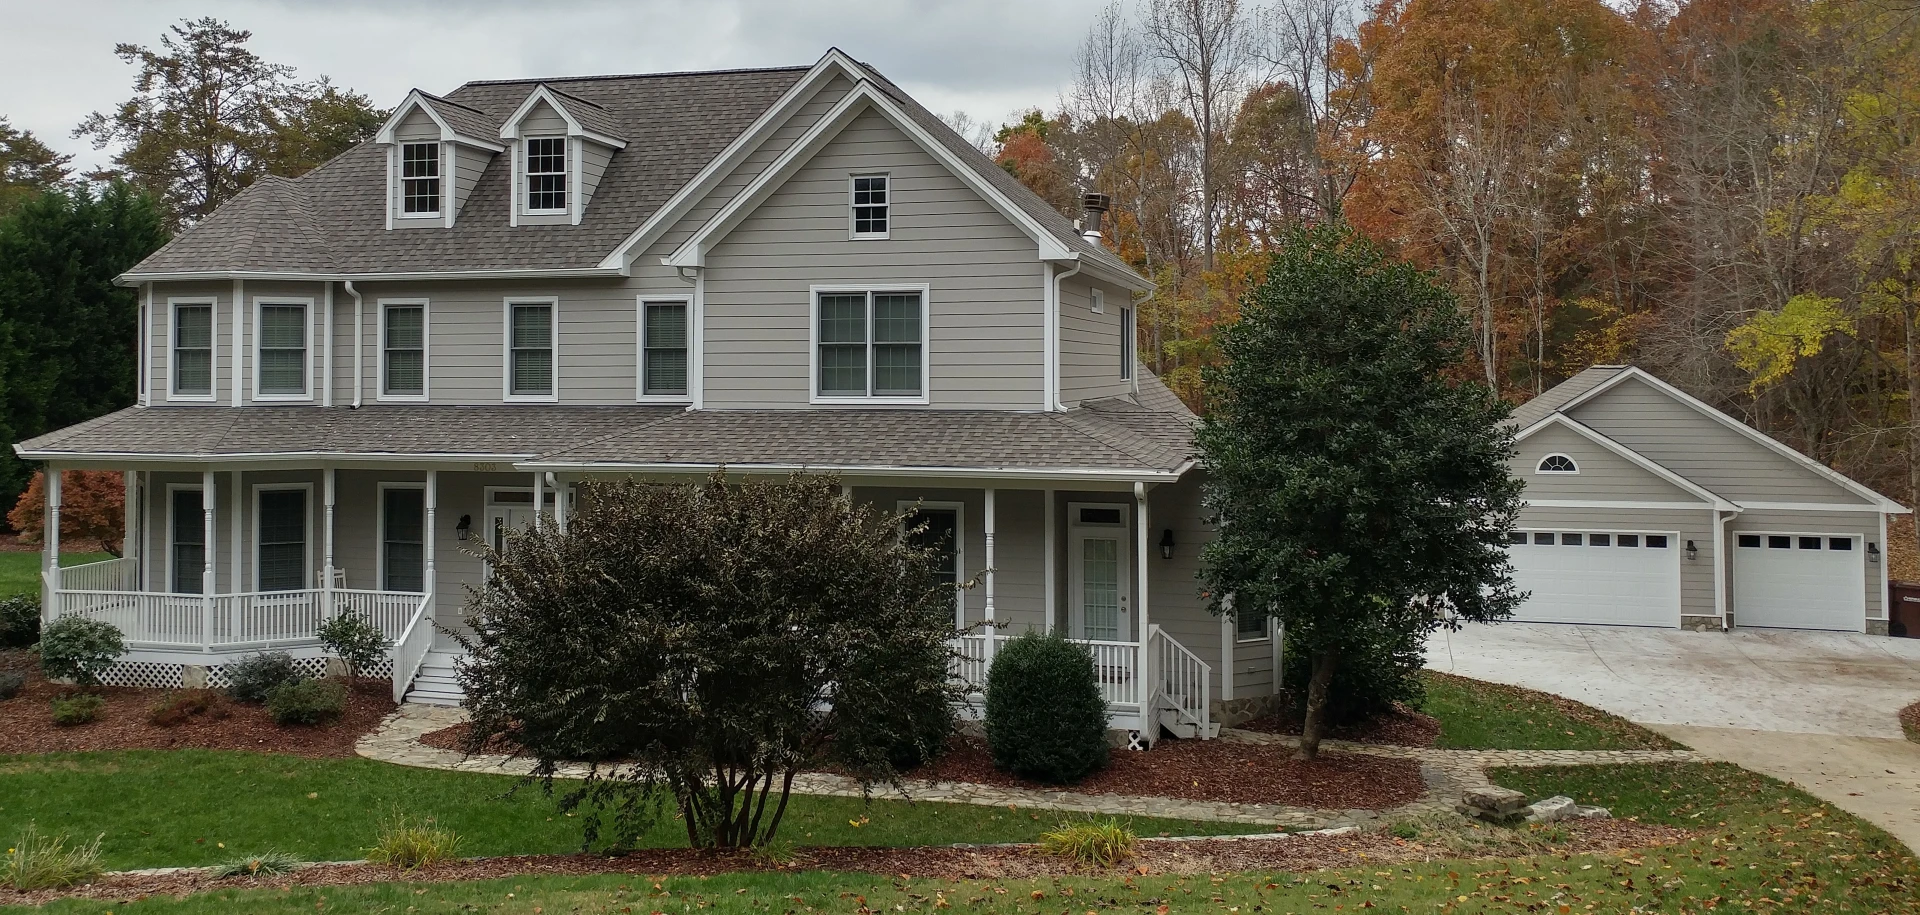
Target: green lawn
{"points": [[20, 572], [1477, 715], [1763, 847], [195, 807]]}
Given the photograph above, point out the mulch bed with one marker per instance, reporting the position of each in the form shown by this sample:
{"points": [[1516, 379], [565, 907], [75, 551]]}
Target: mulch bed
{"points": [[1910, 721], [1200, 856], [26, 724], [1402, 727]]}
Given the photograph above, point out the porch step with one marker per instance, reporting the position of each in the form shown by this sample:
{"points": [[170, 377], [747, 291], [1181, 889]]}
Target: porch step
{"points": [[438, 682]]}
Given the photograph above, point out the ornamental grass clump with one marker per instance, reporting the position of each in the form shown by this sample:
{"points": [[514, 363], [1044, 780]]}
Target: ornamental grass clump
{"points": [[409, 844], [1099, 844], [1045, 718], [37, 861], [265, 864]]}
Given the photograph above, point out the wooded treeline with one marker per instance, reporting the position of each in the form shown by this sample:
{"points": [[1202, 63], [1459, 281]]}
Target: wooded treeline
{"points": [[1726, 193]]}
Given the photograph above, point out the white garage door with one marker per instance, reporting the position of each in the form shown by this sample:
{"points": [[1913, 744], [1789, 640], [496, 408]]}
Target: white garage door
{"points": [[1627, 578], [1799, 581]]}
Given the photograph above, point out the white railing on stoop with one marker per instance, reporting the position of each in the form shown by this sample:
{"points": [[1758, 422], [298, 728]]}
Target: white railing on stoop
{"points": [[1179, 677], [410, 649], [1114, 665], [106, 575]]}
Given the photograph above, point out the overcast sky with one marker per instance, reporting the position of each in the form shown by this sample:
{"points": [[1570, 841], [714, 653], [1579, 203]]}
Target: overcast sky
{"points": [[986, 57]]}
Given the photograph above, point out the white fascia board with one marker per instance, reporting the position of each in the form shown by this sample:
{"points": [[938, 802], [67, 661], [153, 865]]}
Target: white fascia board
{"points": [[1820, 507], [1632, 456], [864, 97], [1831, 475], [1100, 271], [833, 63], [135, 279], [866, 470]]}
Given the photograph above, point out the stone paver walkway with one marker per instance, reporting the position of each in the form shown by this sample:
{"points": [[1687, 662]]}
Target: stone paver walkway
{"points": [[1447, 773]]}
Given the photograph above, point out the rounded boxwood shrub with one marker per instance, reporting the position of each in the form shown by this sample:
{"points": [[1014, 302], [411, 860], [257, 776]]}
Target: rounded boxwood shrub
{"points": [[251, 678], [1045, 718], [79, 649], [19, 621], [307, 701]]}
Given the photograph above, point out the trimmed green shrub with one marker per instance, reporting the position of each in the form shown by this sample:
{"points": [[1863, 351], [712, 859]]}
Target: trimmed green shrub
{"points": [[11, 682], [1045, 718], [1373, 675], [251, 678], [307, 701], [77, 710], [79, 649], [19, 621], [176, 708], [40, 862], [355, 640]]}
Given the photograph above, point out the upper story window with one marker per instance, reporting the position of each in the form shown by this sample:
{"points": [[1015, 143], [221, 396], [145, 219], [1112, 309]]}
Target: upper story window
{"points": [[281, 351], [1128, 338], [547, 175], [870, 206], [193, 350], [403, 350], [420, 179], [870, 344], [530, 336], [1557, 463], [663, 349]]}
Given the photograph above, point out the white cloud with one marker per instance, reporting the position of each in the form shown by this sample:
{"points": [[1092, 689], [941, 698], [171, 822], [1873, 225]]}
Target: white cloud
{"points": [[986, 57]]}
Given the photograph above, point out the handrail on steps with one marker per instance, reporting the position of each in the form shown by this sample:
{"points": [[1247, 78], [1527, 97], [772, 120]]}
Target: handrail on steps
{"points": [[407, 657], [1194, 672]]}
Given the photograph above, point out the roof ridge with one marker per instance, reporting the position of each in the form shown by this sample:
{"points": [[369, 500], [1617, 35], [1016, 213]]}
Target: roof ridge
{"points": [[571, 97], [447, 101], [603, 76]]}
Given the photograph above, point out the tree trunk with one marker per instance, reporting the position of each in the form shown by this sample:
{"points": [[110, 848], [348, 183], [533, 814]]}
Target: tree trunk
{"points": [[1913, 413], [1317, 688]]}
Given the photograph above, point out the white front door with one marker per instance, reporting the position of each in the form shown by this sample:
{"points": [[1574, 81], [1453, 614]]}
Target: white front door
{"points": [[1099, 604], [504, 519]]}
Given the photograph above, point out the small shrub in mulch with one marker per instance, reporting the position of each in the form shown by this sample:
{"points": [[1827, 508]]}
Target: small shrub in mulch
{"points": [[11, 682], [177, 708], [19, 621], [254, 676], [1400, 726], [1045, 718], [307, 702], [1910, 721], [79, 649], [73, 711]]}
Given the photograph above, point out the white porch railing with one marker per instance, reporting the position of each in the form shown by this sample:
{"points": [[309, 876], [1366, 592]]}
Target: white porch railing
{"points": [[410, 648], [1176, 677], [106, 575], [1115, 665], [229, 622]]}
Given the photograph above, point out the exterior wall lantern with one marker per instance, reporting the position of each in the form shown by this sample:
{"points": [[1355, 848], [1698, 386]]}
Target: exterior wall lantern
{"points": [[464, 530], [1693, 552], [1873, 552], [1166, 543]]}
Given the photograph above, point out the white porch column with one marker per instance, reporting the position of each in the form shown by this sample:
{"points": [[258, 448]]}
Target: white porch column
{"points": [[235, 583], [206, 554], [1227, 635], [539, 496], [559, 502], [1720, 566], [130, 512], [433, 501], [50, 483], [1140, 539], [986, 522], [1277, 635], [327, 490], [1052, 548]]}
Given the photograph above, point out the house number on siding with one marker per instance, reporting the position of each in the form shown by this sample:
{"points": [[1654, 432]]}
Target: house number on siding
{"points": [[486, 468]]}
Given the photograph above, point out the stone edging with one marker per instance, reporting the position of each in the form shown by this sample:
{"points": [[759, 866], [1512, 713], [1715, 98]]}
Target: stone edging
{"points": [[1447, 773]]}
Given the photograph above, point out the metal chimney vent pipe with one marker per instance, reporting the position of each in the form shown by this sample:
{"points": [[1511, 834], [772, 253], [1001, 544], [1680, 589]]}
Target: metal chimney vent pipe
{"points": [[1096, 206]]}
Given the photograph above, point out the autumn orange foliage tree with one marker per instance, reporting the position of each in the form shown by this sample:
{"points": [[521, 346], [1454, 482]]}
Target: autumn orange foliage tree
{"points": [[92, 509]]}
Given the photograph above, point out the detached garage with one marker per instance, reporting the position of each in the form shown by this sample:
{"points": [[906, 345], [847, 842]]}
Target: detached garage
{"points": [[1647, 507]]}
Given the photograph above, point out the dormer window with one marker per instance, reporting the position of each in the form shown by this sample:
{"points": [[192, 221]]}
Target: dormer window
{"points": [[547, 175], [420, 179]]}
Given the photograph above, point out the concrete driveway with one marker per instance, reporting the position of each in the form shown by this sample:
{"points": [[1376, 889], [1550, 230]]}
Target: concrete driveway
{"points": [[1817, 709]]}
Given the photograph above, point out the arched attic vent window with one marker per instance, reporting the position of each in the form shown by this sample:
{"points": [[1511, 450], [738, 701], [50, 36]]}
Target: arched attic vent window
{"points": [[1558, 463]]}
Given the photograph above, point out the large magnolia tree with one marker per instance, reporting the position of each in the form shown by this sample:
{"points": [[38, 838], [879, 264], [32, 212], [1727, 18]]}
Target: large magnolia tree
{"points": [[699, 644], [1364, 494]]}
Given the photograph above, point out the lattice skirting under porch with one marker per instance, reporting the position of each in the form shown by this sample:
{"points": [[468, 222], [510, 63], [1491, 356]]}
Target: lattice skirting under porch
{"points": [[171, 675]]}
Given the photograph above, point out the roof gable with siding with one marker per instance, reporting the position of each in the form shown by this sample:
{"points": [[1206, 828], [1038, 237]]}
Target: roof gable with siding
{"points": [[1604, 476]]}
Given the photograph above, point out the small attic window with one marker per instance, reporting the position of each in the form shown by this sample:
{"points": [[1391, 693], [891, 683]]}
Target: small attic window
{"points": [[1557, 463], [420, 179], [547, 175]]}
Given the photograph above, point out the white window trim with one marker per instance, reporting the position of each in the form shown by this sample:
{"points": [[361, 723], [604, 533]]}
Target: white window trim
{"points": [[869, 236], [1265, 633], [213, 341], [1097, 301], [959, 510], [506, 348], [306, 554], [526, 175], [1539, 466], [172, 584], [640, 304], [259, 302], [400, 179], [1129, 343], [426, 351], [926, 345], [380, 528], [1129, 582]]}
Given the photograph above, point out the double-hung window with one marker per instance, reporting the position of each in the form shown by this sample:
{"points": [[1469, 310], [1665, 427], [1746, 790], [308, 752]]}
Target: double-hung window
{"points": [[547, 175], [193, 350], [1128, 340], [870, 344], [530, 336], [663, 349], [281, 553], [420, 179], [403, 526], [403, 349], [282, 365], [186, 541], [870, 206]]}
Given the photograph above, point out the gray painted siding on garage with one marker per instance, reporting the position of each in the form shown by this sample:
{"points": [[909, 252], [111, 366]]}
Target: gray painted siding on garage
{"points": [[1696, 576], [1604, 475], [984, 334], [1720, 459], [1090, 342], [1865, 525]]}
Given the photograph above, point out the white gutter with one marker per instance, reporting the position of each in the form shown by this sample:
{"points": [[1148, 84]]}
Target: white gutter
{"points": [[359, 339], [972, 473], [1051, 385], [135, 279]]}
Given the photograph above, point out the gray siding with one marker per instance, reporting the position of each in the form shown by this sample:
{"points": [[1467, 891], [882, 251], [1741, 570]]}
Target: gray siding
{"points": [[593, 166], [1865, 525], [1696, 575], [1019, 592], [1720, 459], [468, 164], [1604, 476], [984, 334], [1173, 592], [542, 120], [416, 126], [155, 544], [1090, 342]]}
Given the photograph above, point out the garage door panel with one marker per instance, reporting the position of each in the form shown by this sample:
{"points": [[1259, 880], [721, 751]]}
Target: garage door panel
{"points": [[1614, 584], [1790, 580]]}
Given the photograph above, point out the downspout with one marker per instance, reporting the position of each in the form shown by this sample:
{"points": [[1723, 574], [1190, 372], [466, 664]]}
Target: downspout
{"points": [[359, 340], [1053, 339]]}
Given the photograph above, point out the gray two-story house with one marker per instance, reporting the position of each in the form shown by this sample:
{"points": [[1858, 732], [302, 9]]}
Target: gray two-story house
{"points": [[351, 380]]}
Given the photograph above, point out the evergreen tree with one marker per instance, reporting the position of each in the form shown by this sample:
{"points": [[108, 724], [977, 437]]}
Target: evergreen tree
{"points": [[1364, 495]]}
